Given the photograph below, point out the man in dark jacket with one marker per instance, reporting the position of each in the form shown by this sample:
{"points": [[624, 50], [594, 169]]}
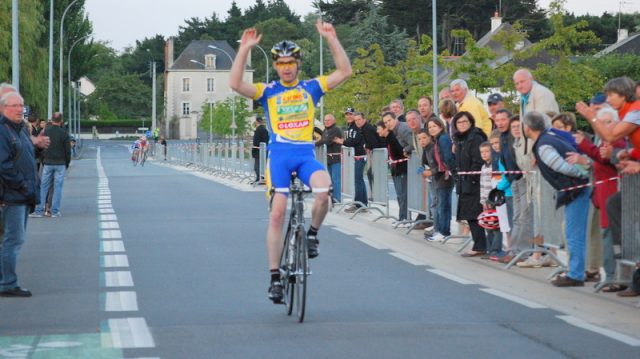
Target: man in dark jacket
{"points": [[56, 160], [550, 151], [355, 139], [334, 150], [260, 135], [18, 192], [397, 163]]}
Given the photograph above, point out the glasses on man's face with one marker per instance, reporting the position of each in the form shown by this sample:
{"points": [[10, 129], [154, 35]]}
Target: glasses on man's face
{"points": [[286, 65], [463, 120]]}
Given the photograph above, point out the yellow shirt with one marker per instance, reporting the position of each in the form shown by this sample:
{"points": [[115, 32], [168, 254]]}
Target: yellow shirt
{"points": [[476, 108]]}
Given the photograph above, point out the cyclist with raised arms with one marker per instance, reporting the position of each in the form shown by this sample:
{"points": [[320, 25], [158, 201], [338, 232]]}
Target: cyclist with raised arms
{"points": [[289, 106]]}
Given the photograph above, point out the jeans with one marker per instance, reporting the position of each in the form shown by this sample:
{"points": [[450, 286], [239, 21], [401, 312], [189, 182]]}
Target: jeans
{"points": [[55, 173], [361, 189], [442, 220], [400, 184], [335, 170], [576, 214], [15, 227], [494, 241], [256, 168], [608, 257]]}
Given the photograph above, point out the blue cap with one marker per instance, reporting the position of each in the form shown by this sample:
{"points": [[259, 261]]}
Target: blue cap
{"points": [[598, 99]]}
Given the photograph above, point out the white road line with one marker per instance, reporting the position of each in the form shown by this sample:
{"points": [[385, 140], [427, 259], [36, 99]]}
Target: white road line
{"points": [[343, 231], [513, 298], [408, 259], [106, 210], [634, 342], [112, 246], [128, 333], [120, 302], [105, 205], [117, 279], [104, 201], [104, 197], [370, 243], [114, 260], [450, 276], [109, 225], [108, 217], [111, 234]]}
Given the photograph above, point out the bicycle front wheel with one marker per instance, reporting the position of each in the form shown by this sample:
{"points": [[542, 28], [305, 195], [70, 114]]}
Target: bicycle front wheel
{"points": [[287, 277], [302, 268]]}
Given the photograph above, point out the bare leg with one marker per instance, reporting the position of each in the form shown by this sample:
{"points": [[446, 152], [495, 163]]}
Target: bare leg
{"points": [[274, 233], [320, 180]]}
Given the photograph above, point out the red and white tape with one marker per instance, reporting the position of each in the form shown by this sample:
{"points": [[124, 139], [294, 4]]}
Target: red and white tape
{"points": [[590, 184], [495, 172]]}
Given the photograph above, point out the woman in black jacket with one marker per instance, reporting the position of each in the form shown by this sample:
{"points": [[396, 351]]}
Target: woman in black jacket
{"points": [[467, 142]]}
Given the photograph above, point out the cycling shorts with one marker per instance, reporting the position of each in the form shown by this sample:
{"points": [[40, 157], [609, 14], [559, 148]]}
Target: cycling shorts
{"points": [[301, 160]]}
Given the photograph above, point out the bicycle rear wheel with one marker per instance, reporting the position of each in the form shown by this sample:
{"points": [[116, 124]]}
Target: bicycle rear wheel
{"points": [[302, 268]]}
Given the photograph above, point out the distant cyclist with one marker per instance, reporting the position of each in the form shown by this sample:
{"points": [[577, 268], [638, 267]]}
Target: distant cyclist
{"points": [[289, 106], [140, 147]]}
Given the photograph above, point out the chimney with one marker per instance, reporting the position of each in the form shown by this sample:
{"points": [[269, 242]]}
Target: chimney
{"points": [[623, 34], [496, 21], [168, 53]]}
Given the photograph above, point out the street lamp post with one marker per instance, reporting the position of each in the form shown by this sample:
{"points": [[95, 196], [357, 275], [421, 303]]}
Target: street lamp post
{"points": [[69, 77], [50, 87], [233, 105], [266, 62], [209, 100], [435, 55], [15, 46], [61, 73]]}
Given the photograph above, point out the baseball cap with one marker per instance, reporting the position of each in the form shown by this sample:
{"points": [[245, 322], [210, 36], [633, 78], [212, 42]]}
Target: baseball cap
{"points": [[495, 98], [598, 99], [349, 110]]}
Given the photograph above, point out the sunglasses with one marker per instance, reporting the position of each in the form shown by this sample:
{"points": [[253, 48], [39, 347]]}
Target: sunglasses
{"points": [[286, 65]]}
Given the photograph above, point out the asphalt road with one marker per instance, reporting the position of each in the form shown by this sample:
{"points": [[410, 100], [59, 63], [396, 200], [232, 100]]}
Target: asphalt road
{"points": [[160, 262]]}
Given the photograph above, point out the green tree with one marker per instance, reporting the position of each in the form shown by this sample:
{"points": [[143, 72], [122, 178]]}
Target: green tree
{"points": [[33, 57], [374, 29], [417, 71], [223, 116], [373, 85], [475, 64], [341, 12], [126, 96], [615, 65]]}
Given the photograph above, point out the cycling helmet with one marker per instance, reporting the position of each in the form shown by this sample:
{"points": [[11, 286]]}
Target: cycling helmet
{"points": [[496, 198], [488, 219], [285, 48]]}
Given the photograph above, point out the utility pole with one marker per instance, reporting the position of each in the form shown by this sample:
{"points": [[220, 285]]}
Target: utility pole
{"points": [[153, 96], [50, 91], [15, 46], [434, 29]]}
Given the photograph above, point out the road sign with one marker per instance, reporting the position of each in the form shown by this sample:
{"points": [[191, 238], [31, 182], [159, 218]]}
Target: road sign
{"points": [[148, 134]]}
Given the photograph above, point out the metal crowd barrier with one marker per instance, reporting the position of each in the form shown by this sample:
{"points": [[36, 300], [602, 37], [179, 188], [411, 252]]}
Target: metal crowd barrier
{"points": [[321, 155], [548, 222], [263, 161], [348, 188], [417, 192], [229, 160], [630, 215], [380, 189]]}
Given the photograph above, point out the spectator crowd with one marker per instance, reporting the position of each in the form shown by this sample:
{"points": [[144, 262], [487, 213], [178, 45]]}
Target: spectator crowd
{"points": [[484, 164]]}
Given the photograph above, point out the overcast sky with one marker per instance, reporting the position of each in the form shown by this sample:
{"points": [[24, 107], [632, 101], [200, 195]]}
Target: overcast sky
{"points": [[122, 22]]}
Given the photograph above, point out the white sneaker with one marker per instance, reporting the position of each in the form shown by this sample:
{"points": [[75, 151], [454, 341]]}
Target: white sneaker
{"points": [[530, 263], [436, 237]]}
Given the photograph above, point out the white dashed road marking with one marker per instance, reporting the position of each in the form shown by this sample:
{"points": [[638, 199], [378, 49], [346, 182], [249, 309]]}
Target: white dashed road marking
{"points": [[603, 331], [513, 298], [450, 276]]}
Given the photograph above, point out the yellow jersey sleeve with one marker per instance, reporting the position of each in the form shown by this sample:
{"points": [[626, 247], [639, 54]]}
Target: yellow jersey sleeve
{"points": [[259, 90]]}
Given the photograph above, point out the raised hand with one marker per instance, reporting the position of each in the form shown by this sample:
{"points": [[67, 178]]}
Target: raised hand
{"points": [[250, 37], [326, 30], [586, 111]]}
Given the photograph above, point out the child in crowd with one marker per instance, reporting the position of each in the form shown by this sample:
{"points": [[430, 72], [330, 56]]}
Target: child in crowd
{"points": [[494, 237], [505, 211]]}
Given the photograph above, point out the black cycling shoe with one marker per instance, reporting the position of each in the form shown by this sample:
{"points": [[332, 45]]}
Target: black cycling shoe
{"points": [[276, 292], [312, 246]]}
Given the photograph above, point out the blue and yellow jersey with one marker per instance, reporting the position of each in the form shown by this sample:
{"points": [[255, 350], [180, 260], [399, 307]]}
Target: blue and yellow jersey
{"points": [[290, 109]]}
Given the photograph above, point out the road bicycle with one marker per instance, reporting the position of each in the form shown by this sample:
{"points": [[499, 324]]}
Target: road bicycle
{"points": [[294, 260]]}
